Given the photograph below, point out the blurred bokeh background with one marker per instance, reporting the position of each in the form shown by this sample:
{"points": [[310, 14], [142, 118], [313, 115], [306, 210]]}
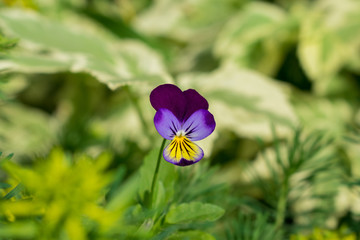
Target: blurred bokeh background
{"points": [[282, 79]]}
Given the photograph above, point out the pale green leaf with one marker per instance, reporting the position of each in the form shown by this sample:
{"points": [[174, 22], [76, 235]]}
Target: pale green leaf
{"points": [[30, 63], [26, 131], [244, 101], [47, 46], [193, 212], [332, 116], [329, 37], [33, 29], [203, 21], [256, 37]]}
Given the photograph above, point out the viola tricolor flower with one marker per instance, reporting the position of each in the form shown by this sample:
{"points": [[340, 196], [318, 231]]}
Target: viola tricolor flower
{"points": [[181, 117]]}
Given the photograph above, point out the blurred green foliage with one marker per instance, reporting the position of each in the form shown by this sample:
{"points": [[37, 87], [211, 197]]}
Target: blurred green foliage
{"points": [[319, 234], [79, 146]]}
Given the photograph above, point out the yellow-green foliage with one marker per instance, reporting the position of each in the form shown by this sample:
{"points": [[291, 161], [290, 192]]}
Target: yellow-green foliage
{"points": [[20, 3], [64, 193], [322, 234]]}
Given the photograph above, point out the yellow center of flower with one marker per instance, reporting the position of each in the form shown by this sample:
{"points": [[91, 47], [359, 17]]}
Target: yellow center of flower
{"points": [[181, 147]]}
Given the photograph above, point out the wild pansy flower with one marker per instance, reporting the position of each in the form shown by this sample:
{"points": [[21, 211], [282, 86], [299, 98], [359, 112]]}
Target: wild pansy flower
{"points": [[181, 117]]}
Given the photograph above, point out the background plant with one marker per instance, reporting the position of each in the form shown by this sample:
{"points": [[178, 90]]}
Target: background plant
{"points": [[76, 124]]}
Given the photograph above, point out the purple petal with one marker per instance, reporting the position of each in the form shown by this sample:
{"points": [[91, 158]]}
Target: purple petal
{"points": [[170, 97], [199, 125], [182, 152], [166, 123], [194, 102]]}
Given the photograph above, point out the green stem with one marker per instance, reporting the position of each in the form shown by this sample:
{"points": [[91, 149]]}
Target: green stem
{"points": [[281, 207], [157, 170]]}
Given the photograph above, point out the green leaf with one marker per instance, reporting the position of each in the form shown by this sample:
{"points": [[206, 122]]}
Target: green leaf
{"points": [[191, 235], [244, 101], [6, 44], [193, 212], [332, 116], [32, 28], [326, 46], [5, 159], [15, 192], [125, 195], [160, 195], [49, 46], [25, 130], [4, 185], [167, 175], [256, 37], [183, 24], [29, 63], [18, 230], [253, 227]]}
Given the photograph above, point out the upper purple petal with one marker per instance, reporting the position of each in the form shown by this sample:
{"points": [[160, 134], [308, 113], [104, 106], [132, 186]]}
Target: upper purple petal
{"points": [[194, 102], [166, 123], [170, 97], [199, 125]]}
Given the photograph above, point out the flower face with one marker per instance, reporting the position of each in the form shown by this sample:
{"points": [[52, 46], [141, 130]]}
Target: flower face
{"points": [[182, 117]]}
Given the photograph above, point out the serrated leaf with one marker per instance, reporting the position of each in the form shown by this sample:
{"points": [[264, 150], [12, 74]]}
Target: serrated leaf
{"points": [[193, 212]]}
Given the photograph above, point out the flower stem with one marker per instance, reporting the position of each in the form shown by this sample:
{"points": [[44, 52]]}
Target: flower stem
{"points": [[156, 170]]}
